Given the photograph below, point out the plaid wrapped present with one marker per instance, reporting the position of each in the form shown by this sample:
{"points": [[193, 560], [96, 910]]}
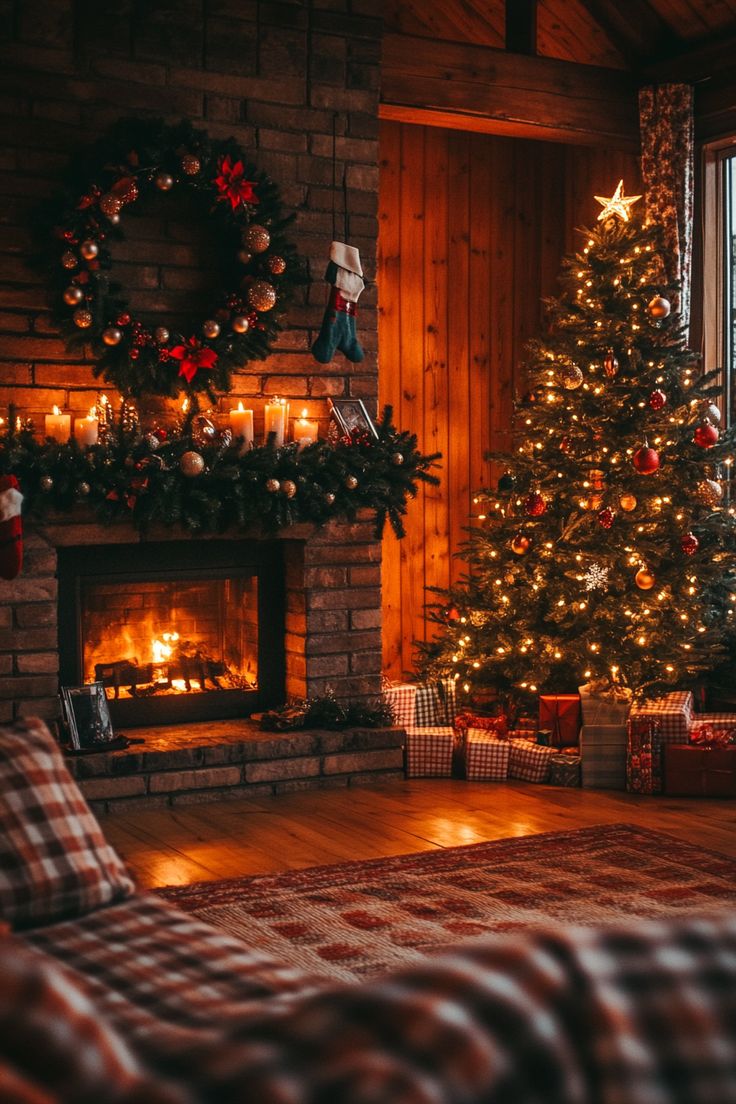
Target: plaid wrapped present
{"points": [[529, 761], [560, 715], [675, 713], [603, 749], [435, 703], [601, 708], [644, 756], [486, 756], [564, 770], [402, 697], [429, 752]]}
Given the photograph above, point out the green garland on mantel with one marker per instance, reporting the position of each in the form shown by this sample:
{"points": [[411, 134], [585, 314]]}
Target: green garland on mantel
{"points": [[208, 487]]}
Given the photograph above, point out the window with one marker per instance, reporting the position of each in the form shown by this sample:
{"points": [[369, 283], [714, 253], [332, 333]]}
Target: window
{"points": [[719, 267]]}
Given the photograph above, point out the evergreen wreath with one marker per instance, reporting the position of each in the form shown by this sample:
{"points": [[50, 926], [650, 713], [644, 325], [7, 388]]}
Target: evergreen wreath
{"points": [[260, 267]]}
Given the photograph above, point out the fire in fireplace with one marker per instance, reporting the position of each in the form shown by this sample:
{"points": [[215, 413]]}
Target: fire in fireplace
{"points": [[175, 631]]}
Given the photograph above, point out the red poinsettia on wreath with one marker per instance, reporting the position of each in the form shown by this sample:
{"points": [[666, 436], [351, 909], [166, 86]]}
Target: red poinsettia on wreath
{"points": [[192, 357], [232, 185]]}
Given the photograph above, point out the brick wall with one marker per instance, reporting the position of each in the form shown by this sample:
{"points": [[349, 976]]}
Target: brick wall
{"points": [[277, 77]]}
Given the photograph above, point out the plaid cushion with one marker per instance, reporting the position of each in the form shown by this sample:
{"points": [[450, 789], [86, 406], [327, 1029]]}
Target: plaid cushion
{"points": [[530, 761], [54, 858], [429, 752], [486, 757], [435, 703], [401, 698], [674, 711]]}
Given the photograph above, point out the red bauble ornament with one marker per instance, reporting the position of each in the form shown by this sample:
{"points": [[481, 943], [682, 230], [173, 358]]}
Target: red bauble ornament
{"points": [[610, 364], [657, 399], [706, 435], [534, 504], [689, 544], [606, 517], [452, 614], [123, 319], [646, 460], [564, 444]]}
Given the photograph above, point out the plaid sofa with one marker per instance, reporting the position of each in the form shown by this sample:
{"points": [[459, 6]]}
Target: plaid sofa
{"points": [[134, 1002]]}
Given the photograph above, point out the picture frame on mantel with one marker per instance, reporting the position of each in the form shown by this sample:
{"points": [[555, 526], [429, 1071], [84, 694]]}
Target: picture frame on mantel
{"points": [[87, 716], [351, 414]]}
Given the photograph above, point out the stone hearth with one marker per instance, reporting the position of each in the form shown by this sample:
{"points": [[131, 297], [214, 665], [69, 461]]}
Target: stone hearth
{"points": [[190, 764]]}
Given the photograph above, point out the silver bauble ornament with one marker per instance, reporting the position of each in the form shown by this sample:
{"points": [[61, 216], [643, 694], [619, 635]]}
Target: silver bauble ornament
{"points": [[712, 413], [256, 238], [191, 464], [73, 295], [288, 487], [115, 220], [570, 377], [272, 486], [82, 318], [152, 441], [329, 498], [164, 181], [240, 324], [203, 430], [89, 249], [261, 295], [46, 483], [161, 335], [68, 259], [709, 492], [83, 489], [397, 458], [226, 438], [210, 328], [112, 335], [351, 482]]}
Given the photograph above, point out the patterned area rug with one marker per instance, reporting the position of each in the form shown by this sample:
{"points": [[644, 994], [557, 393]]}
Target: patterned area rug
{"points": [[355, 920]]}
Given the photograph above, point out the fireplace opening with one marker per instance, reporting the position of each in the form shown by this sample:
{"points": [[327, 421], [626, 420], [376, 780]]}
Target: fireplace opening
{"points": [[175, 631]]}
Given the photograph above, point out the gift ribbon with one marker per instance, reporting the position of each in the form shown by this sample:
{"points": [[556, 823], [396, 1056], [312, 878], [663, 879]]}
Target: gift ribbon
{"points": [[706, 736]]}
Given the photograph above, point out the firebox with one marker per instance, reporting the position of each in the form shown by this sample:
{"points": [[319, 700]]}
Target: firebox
{"points": [[176, 631]]}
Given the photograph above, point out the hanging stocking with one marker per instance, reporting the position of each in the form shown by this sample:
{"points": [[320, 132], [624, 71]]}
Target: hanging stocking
{"points": [[11, 528], [338, 325]]}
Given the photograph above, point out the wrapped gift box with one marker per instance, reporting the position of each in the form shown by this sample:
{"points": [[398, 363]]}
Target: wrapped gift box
{"points": [[529, 761], [486, 756], [644, 756], [429, 752], [435, 703], [496, 726], [695, 771], [402, 699], [603, 750], [560, 714], [601, 709], [564, 770], [674, 711]]}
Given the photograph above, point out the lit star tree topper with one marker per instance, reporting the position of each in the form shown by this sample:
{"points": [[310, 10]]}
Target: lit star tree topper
{"points": [[616, 206]]}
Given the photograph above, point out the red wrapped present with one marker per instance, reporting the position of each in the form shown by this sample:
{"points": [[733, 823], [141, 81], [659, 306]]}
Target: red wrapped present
{"points": [[644, 756], [693, 770], [429, 752], [530, 761], [497, 726], [560, 713], [709, 732], [675, 713], [486, 756]]}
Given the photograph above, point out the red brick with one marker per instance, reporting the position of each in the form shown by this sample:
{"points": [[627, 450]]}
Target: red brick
{"points": [[346, 599], [318, 666], [28, 686], [194, 779], [282, 768], [326, 577], [27, 639], [380, 759], [327, 643], [37, 663], [366, 618], [366, 663], [96, 788], [46, 708], [365, 576]]}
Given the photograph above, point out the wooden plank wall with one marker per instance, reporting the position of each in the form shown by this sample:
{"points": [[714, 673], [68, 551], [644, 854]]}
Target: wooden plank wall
{"points": [[471, 233]]}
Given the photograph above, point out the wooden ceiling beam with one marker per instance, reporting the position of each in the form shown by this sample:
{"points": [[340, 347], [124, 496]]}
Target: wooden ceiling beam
{"points": [[709, 58], [521, 26], [478, 88], [635, 28]]}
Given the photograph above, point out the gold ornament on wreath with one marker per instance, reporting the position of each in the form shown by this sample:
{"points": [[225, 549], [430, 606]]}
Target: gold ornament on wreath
{"points": [[140, 158]]}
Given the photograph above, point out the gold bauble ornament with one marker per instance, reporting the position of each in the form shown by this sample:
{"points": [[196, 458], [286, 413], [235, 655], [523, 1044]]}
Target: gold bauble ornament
{"points": [[204, 430], [244, 256], [288, 487], [210, 328], [68, 259], [351, 482], [73, 295], [112, 335], [256, 238], [82, 318], [276, 265], [659, 307], [570, 376], [595, 502], [164, 181], [190, 164], [110, 204], [89, 249], [240, 324], [46, 483], [709, 492], [83, 489], [628, 502], [161, 335], [520, 544], [644, 579], [272, 486], [329, 498], [397, 459], [261, 295], [191, 464]]}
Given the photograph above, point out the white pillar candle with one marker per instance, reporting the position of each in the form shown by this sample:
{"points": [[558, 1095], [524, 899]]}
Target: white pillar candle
{"points": [[305, 431], [86, 430], [58, 426], [241, 423], [276, 419]]}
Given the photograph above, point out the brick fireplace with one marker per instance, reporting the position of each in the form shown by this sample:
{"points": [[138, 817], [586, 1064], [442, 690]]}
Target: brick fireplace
{"points": [[286, 80]]}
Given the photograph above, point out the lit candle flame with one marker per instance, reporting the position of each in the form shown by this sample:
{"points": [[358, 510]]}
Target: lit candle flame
{"points": [[57, 412], [241, 408]]}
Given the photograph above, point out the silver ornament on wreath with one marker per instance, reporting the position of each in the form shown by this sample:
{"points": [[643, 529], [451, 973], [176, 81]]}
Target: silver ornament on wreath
{"points": [[397, 458], [262, 295], [161, 335], [288, 487], [89, 249], [329, 498], [46, 483], [83, 489], [240, 324], [351, 482], [112, 335], [203, 430], [82, 318], [152, 441], [256, 238], [273, 486], [73, 296], [191, 464]]}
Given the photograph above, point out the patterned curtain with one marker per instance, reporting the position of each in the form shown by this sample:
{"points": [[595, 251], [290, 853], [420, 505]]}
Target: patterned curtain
{"points": [[666, 122]]}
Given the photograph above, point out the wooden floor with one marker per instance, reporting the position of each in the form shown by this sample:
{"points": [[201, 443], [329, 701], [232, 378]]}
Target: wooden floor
{"points": [[230, 838]]}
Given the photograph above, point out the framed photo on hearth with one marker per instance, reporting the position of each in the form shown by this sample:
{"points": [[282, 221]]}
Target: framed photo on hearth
{"points": [[87, 716], [351, 414]]}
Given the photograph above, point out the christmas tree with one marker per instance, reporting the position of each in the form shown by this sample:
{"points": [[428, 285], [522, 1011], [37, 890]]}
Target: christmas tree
{"points": [[608, 550]]}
